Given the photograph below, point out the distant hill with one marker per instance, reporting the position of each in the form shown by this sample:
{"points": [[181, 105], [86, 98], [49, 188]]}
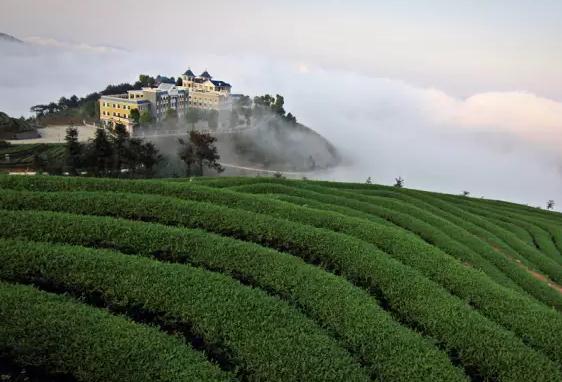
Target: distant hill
{"points": [[9, 38], [13, 128]]}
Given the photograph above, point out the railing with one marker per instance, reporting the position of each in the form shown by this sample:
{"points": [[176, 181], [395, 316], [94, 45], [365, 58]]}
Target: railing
{"points": [[182, 132]]}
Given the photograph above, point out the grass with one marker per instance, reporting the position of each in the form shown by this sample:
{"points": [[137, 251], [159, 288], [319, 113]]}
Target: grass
{"points": [[272, 279]]}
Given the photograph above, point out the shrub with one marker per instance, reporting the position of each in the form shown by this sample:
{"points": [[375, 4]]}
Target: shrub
{"points": [[55, 332]]}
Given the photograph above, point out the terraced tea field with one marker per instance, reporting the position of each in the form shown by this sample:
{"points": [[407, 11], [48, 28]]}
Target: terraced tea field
{"points": [[261, 279]]}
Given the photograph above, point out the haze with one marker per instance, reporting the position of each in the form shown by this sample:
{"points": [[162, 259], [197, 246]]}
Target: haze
{"points": [[452, 96]]}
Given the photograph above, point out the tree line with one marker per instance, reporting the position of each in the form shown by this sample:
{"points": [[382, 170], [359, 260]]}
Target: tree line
{"points": [[91, 99], [114, 153]]}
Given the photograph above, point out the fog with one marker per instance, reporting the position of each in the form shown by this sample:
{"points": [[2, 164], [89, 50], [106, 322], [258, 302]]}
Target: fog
{"points": [[503, 145]]}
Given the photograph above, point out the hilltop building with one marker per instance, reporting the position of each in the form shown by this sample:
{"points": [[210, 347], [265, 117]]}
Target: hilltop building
{"points": [[200, 92], [117, 108], [205, 92]]}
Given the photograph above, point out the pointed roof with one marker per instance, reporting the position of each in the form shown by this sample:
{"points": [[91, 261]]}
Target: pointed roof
{"points": [[220, 83], [205, 74], [189, 73]]}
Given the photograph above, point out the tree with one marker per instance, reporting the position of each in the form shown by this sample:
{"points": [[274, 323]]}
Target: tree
{"points": [[149, 157], [192, 116], [277, 106], [179, 82], [465, 193], [369, 181], [119, 139], [73, 101], [135, 116], [39, 110], [205, 151], [73, 151], [101, 153], [199, 150], [242, 106], [550, 205], [145, 81], [187, 154], [291, 119], [52, 107], [145, 118], [278, 175], [213, 119], [63, 103], [399, 182]]}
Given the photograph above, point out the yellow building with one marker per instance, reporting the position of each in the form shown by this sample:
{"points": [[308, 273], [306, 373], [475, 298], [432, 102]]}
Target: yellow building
{"points": [[157, 101], [205, 92], [117, 109]]}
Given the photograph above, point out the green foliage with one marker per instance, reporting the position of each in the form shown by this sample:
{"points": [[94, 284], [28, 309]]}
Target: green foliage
{"points": [[405, 290], [257, 332], [299, 279], [57, 333], [265, 103], [112, 152], [348, 311], [73, 151], [135, 116], [100, 154], [199, 150], [146, 118]]}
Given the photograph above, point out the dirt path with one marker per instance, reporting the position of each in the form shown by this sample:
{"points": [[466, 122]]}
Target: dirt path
{"points": [[291, 173], [535, 274]]}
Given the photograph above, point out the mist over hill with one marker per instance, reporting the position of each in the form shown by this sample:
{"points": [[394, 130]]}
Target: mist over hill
{"points": [[503, 145], [4, 37]]}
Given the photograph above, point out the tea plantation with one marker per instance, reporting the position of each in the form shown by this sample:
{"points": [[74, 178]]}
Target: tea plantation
{"points": [[264, 279]]}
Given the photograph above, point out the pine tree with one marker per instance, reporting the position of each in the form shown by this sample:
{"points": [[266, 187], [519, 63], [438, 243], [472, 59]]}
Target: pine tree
{"points": [[73, 151]]}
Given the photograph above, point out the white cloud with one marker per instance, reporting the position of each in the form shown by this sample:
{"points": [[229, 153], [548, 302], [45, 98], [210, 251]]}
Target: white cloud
{"points": [[58, 44], [501, 145]]}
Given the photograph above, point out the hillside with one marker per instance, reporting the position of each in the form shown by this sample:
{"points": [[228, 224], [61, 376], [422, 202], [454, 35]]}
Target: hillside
{"points": [[13, 128], [283, 147], [269, 279], [9, 39], [21, 156]]}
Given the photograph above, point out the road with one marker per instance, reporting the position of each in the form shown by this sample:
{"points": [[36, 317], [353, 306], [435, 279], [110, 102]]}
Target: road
{"points": [[183, 132], [290, 173]]}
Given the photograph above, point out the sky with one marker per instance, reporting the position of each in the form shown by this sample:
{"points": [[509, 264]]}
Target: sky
{"points": [[449, 95]]}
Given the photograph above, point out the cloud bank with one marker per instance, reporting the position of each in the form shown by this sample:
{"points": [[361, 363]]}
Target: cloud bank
{"points": [[503, 145]]}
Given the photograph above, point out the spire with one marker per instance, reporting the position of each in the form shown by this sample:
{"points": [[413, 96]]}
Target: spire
{"points": [[206, 75]]}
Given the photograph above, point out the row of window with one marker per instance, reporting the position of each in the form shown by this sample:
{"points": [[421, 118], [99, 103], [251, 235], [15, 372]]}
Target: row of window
{"points": [[114, 114], [116, 106]]}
